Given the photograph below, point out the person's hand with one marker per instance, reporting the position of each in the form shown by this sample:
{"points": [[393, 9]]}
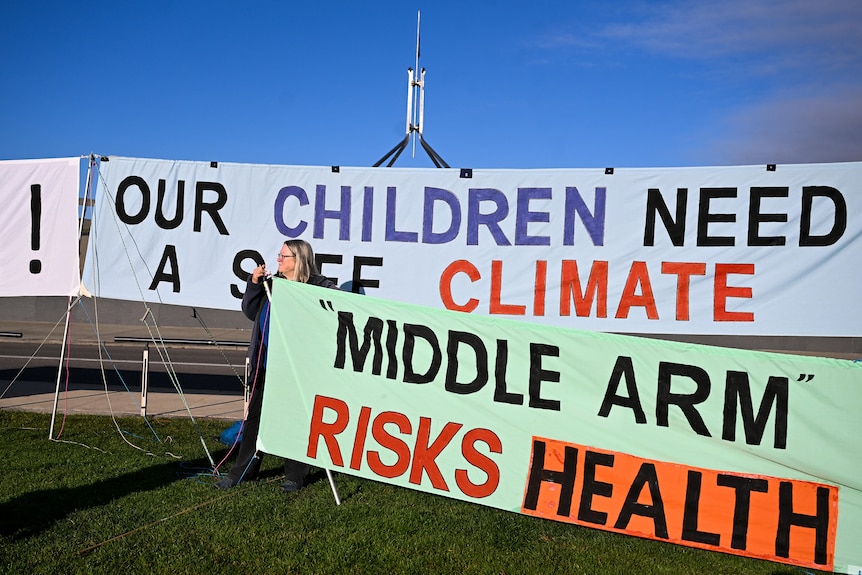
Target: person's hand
{"points": [[258, 274]]}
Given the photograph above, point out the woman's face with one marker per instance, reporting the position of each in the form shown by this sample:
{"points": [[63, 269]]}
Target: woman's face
{"points": [[286, 262]]}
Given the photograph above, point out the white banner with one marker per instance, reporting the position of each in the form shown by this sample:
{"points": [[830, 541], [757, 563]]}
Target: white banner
{"points": [[750, 250], [39, 227]]}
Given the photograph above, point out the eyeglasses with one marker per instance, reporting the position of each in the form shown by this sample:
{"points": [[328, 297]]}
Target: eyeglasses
{"points": [[285, 256]]}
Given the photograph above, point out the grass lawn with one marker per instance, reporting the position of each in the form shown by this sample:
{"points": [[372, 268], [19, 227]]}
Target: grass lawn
{"points": [[94, 503]]}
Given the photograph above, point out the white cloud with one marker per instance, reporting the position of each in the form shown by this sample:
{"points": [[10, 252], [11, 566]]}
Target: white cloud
{"points": [[788, 72], [821, 32], [819, 128], [811, 108]]}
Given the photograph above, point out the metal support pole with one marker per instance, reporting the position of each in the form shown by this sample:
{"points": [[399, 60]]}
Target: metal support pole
{"points": [[70, 304], [60, 368], [332, 486], [246, 392], [409, 127], [145, 379], [421, 121]]}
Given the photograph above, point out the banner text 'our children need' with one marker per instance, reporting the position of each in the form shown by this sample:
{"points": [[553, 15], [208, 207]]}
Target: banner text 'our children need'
{"points": [[698, 250]]}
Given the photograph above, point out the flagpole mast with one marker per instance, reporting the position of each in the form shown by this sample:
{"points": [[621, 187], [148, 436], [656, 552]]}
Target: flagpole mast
{"points": [[416, 86], [415, 112]]}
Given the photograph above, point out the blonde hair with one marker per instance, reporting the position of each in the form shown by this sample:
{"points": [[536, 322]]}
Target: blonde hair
{"points": [[305, 264]]}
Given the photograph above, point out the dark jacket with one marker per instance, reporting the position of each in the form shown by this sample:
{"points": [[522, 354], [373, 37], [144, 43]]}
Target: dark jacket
{"points": [[252, 306], [248, 459]]}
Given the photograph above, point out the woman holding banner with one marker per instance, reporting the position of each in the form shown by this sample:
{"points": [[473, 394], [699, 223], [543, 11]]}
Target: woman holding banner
{"points": [[295, 263]]}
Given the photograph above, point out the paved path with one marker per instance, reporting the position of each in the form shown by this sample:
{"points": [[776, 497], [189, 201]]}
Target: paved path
{"points": [[91, 399], [210, 384]]}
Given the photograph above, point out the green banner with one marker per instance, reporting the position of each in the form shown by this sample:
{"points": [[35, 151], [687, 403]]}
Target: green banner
{"points": [[743, 452]]}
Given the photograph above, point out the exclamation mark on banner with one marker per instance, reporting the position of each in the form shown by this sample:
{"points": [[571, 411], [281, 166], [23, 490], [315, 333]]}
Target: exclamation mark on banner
{"points": [[36, 227]]}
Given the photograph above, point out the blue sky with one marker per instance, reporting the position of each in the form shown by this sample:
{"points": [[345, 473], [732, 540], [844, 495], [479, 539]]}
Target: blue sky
{"points": [[539, 84]]}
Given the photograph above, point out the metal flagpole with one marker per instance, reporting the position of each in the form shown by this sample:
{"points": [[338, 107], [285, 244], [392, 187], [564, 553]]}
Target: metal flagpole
{"points": [[414, 85], [415, 114]]}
